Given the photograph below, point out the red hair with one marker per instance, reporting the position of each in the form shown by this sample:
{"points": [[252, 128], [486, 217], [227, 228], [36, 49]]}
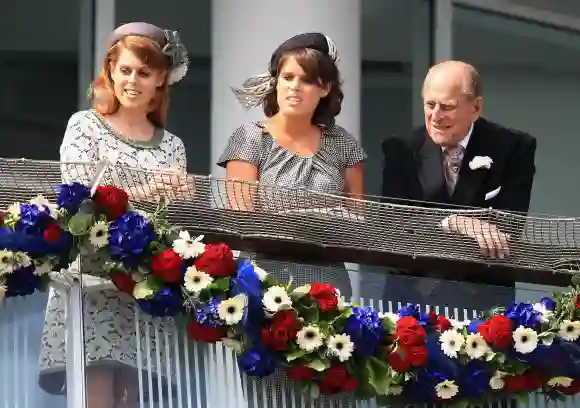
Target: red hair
{"points": [[149, 52]]}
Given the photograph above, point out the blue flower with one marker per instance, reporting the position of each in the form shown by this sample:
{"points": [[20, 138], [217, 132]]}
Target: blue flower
{"points": [[474, 379], [129, 236], [421, 387], [166, 302], [548, 303], [208, 313], [248, 282], [71, 196], [473, 325], [414, 311], [32, 244], [523, 314], [365, 330], [22, 282], [257, 361], [33, 219]]}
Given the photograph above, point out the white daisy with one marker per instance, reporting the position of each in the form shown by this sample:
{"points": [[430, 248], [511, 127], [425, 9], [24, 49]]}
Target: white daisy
{"points": [[188, 247], [545, 314], [475, 346], [21, 260], [451, 342], [525, 340], [42, 267], [340, 346], [99, 234], [232, 310], [446, 389], [196, 281], [276, 298], [459, 324], [496, 382], [564, 382], [6, 262], [569, 331], [42, 201], [309, 338]]}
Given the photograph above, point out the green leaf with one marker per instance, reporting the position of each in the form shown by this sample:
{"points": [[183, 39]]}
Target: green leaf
{"points": [[80, 224], [379, 375], [459, 404], [295, 354], [318, 365], [146, 289]]}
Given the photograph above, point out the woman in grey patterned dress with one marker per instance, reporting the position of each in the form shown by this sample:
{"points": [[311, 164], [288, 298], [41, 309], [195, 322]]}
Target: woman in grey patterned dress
{"points": [[125, 126], [298, 145]]}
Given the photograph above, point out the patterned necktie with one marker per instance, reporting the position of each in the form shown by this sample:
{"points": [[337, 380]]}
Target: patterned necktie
{"points": [[452, 159]]}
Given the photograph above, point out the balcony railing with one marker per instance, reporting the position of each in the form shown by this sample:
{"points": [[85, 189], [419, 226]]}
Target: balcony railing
{"points": [[304, 229]]}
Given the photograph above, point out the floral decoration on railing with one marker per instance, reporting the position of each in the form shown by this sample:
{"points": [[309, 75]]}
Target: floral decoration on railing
{"points": [[324, 344]]}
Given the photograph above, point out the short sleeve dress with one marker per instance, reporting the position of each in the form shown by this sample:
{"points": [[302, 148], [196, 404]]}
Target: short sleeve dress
{"points": [[323, 172], [110, 327]]}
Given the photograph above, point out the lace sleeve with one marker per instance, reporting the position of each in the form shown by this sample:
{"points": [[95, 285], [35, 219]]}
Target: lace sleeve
{"points": [[78, 146]]}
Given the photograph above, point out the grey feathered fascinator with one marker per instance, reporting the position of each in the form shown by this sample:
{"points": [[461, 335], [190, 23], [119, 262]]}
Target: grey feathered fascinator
{"points": [[168, 40], [254, 89]]}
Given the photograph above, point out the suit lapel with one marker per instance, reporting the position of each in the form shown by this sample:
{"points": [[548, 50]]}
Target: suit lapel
{"points": [[430, 167], [470, 180]]}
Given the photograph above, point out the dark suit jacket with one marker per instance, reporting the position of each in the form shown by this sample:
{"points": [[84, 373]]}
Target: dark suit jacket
{"points": [[413, 169]]}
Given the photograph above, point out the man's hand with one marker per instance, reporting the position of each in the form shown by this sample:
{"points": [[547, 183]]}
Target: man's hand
{"points": [[492, 241]]}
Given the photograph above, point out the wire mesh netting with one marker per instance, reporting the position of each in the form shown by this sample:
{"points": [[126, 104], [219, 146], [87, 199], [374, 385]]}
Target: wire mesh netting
{"points": [[208, 205]]}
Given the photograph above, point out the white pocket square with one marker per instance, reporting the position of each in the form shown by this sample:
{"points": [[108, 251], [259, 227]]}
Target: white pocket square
{"points": [[492, 193]]}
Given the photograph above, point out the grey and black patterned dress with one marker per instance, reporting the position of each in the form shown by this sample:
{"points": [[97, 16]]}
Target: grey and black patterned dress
{"points": [[110, 327], [322, 172]]}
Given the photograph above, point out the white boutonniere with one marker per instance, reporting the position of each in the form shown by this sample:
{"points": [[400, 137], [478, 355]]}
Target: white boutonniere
{"points": [[480, 162]]}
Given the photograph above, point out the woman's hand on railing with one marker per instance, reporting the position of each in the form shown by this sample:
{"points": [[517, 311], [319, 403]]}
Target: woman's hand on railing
{"points": [[170, 183]]}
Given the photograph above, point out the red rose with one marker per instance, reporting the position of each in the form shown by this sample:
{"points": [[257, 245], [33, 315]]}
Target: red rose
{"points": [[407, 322], [52, 233], [350, 384], [333, 379], [417, 356], [300, 373], [325, 295], [287, 319], [399, 361], [124, 283], [440, 323], [497, 331], [168, 266], [206, 334], [217, 260], [573, 389], [111, 201], [515, 383], [281, 331], [411, 336]]}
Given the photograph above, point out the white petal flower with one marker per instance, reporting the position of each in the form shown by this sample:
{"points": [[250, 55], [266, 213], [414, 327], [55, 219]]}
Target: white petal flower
{"points": [[475, 346], [309, 338], [188, 247], [42, 201], [21, 260], [42, 267], [196, 281], [459, 324], [525, 340], [232, 310], [451, 342], [276, 298], [446, 389], [6, 262], [564, 382], [340, 346], [496, 382], [569, 331], [99, 234], [545, 314]]}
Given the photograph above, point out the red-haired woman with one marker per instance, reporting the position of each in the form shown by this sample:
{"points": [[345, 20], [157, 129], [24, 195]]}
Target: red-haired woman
{"points": [[125, 126]]}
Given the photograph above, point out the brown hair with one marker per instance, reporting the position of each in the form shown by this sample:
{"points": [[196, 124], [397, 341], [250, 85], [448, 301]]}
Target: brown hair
{"points": [[319, 68], [149, 52]]}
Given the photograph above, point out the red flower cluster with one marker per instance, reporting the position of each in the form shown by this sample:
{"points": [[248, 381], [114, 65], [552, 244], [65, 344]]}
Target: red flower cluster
{"points": [[281, 331], [167, 266], [111, 201], [300, 373], [337, 379], [325, 295], [1, 219], [217, 261], [440, 323], [52, 233], [207, 334], [530, 381], [497, 331], [411, 351], [124, 283]]}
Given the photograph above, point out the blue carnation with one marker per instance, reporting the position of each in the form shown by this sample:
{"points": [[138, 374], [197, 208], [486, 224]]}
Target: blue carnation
{"points": [[71, 196], [257, 361], [548, 303], [473, 325], [33, 244], [474, 380], [33, 219], [524, 314], [166, 302], [414, 311], [129, 236], [22, 282], [365, 330], [208, 313]]}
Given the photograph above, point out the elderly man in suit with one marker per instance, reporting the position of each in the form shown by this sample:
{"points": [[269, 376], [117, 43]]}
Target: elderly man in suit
{"points": [[433, 165]]}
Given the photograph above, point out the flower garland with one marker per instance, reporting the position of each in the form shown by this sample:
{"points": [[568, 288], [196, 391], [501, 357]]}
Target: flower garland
{"points": [[318, 340]]}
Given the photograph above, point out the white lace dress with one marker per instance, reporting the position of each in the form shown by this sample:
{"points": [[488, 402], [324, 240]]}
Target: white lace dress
{"points": [[110, 326]]}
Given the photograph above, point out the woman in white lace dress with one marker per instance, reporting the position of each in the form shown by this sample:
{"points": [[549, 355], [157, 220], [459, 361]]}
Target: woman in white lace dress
{"points": [[125, 126]]}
